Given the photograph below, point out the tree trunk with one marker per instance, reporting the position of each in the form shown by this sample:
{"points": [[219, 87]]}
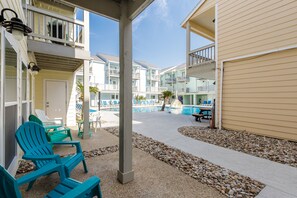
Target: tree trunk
{"points": [[163, 106]]}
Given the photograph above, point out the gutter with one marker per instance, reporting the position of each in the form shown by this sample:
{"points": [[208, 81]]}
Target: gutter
{"points": [[244, 57]]}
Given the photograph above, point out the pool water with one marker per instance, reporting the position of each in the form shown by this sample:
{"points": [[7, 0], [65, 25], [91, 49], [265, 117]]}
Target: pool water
{"points": [[186, 110]]}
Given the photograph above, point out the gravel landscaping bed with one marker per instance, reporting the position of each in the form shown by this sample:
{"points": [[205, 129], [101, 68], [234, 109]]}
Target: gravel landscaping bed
{"points": [[229, 183], [27, 166], [273, 149]]}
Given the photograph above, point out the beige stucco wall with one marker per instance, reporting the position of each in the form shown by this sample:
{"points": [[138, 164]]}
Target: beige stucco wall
{"points": [[259, 93], [56, 75]]}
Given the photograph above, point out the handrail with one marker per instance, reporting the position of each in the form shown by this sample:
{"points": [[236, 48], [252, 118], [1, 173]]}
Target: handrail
{"points": [[50, 14], [51, 27], [202, 48], [203, 55]]}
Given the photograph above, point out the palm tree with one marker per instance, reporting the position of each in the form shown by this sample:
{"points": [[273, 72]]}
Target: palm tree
{"points": [[165, 95], [80, 90]]}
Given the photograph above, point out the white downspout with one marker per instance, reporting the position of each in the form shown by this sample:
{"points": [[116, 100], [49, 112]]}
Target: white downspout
{"points": [[244, 57]]}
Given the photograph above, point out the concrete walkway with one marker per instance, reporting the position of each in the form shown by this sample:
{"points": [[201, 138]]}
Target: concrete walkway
{"points": [[280, 180]]}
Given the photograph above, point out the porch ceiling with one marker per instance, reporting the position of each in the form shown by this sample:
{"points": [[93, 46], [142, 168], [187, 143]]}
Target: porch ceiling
{"points": [[203, 24], [53, 62], [110, 8]]}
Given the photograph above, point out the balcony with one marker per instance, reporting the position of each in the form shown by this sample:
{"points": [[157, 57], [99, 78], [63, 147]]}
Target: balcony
{"points": [[56, 37], [153, 77], [136, 76], [182, 79], [161, 89], [170, 80], [152, 89], [114, 72], [106, 87], [209, 88], [135, 88], [202, 63]]}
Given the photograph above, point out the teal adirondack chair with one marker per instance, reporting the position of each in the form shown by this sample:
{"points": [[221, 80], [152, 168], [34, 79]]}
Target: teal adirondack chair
{"points": [[32, 140], [54, 133], [67, 188]]}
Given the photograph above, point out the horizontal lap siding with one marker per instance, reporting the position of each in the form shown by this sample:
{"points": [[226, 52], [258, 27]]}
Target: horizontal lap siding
{"points": [[259, 93], [262, 98], [258, 26]]}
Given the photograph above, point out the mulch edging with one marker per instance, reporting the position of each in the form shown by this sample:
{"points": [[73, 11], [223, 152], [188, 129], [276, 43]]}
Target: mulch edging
{"points": [[277, 150], [229, 183]]}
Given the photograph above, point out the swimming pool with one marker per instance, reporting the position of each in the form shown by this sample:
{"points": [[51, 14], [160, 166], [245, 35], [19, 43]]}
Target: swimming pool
{"points": [[185, 110]]}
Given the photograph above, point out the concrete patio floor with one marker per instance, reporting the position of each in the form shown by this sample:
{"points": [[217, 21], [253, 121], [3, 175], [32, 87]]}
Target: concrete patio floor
{"points": [[153, 178], [280, 179]]}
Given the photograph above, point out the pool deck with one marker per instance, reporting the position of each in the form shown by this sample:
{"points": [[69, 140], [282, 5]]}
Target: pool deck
{"points": [[280, 179]]}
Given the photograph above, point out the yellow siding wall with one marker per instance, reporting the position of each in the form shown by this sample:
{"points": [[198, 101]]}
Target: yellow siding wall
{"points": [[57, 75], [259, 93]]}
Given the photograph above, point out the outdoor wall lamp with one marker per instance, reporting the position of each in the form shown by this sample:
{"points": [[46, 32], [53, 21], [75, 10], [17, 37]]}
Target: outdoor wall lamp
{"points": [[15, 26], [34, 69]]}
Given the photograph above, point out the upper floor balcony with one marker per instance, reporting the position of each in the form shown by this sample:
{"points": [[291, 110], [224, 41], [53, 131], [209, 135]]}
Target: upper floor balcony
{"points": [[114, 72], [170, 80], [57, 39], [202, 62], [136, 76], [207, 88], [51, 27], [153, 77], [182, 79]]}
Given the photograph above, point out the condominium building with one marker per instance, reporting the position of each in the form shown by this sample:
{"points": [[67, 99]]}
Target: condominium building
{"points": [[104, 74], [189, 90]]}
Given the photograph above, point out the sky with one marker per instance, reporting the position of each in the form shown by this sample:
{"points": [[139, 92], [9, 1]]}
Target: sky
{"points": [[157, 34]]}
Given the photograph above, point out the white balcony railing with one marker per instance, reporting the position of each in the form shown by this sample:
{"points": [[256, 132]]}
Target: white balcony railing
{"points": [[206, 88], [54, 28], [136, 75], [163, 89], [152, 89], [153, 77], [182, 78], [114, 72], [135, 89], [202, 55]]}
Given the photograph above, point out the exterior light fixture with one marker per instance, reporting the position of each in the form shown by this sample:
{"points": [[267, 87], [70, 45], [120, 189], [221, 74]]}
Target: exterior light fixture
{"points": [[34, 69], [15, 26]]}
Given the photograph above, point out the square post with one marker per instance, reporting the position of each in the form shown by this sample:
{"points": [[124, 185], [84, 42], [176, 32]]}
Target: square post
{"points": [[125, 172], [86, 102], [188, 44]]}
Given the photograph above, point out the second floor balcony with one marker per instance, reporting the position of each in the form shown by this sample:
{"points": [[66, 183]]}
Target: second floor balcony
{"points": [[207, 88], [114, 72], [54, 28], [170, 80], [202, 62], [56, 39]]}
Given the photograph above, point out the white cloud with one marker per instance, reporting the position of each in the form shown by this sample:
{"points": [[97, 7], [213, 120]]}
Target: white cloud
{"points": [[159, 8]]}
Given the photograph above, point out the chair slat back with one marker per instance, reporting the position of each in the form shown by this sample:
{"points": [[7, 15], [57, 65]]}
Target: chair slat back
{"points": [[32, 139], [8, 185], [33, 118]]}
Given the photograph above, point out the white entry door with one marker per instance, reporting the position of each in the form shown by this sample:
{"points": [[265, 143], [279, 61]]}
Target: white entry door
{"points": [[55, 99]]}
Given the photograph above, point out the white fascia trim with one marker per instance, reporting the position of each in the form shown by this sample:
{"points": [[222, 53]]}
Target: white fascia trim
{"points": [[244, 57]]}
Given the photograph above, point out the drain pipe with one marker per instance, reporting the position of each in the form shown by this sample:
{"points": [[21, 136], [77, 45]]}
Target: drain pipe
{"points": [[244, 57]]}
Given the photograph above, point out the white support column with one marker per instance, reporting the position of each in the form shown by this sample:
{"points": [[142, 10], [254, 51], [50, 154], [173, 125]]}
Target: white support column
{"points": [[33, 93], [86, 102], [194, 99], [86, 30], [188, 44], [125, 172]]}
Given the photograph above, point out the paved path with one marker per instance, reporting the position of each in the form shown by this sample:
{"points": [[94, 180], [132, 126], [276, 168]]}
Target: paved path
{"points": [[280, 180]]}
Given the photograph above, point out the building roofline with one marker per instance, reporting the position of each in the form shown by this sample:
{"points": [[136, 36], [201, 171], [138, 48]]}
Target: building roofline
{"points": [[192, 12]]}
